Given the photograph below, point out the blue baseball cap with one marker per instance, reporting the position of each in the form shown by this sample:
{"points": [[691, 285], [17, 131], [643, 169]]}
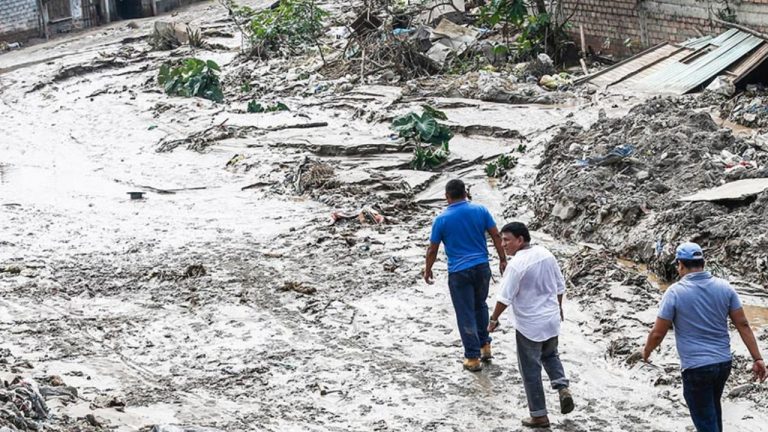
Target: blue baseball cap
{"points": [[689, 251]]}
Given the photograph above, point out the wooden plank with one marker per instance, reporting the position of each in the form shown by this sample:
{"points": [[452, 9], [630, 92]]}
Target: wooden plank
{"points": [[638, 63], [747, 65], [619, 64]]}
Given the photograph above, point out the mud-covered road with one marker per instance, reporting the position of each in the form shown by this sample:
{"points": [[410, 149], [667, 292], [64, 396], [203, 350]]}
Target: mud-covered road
{"points": [[248, 309]]}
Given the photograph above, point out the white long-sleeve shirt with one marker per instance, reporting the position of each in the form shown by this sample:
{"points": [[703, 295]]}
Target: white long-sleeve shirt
{"points": [[531, 284]]}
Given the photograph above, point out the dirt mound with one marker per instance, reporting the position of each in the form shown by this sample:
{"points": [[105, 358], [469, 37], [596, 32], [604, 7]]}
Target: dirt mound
{"points": [[619, 182]]}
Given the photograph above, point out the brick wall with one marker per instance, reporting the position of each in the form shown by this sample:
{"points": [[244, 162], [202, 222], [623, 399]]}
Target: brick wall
{"points": [[624, 27], [18, 17]]}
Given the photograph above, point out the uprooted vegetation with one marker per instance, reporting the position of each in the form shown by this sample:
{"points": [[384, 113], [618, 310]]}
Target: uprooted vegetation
{"points": [[429, 137], [619, 183], [192, 78], [287, 28], [527, 29], [405, 40]]}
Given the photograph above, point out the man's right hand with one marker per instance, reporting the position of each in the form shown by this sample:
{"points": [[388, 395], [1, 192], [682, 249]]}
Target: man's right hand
{"points": [[758, 368], [428, 277], [493, 325]]}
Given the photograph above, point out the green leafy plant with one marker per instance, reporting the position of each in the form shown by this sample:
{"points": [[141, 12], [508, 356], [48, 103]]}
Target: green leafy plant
{"points": [[193, 78], [291, 25], [522, 148], [430, 137], [195, 38], [500, 166], [491, 168], [257, 107]]}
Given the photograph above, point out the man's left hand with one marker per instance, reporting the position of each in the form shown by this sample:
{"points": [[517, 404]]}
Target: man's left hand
{"points": [[758, 368]]}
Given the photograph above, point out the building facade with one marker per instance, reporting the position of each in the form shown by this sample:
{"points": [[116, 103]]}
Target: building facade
{"points": [[21, 20], [624, 27]]}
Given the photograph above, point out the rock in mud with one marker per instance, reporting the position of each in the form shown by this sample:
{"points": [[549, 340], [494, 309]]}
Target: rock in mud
{"points": [[299, 287]]}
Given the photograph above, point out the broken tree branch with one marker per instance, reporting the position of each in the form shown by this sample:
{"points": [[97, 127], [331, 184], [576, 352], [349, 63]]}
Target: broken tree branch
{"points": [[740, 27]]}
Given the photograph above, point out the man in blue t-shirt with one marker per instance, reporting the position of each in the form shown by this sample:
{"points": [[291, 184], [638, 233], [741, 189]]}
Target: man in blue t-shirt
{"points": [[699, 306], [461, 227]]}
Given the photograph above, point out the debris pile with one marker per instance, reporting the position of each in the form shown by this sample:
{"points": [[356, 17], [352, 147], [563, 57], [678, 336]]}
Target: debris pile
{"points": [[749, 108], [620, 182], [22, 405]]}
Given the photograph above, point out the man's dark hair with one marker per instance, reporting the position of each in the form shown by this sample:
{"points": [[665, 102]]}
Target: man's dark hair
{"points": [[692, 264], [517, 229], [455, 189]]}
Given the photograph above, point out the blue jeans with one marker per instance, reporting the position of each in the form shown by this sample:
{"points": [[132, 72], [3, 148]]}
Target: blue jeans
{"points": [[531, 356], [469, 290], [702, 389]]}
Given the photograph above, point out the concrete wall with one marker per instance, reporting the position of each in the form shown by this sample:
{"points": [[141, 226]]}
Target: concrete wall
{"points": [[624, 27], [18, 17]]}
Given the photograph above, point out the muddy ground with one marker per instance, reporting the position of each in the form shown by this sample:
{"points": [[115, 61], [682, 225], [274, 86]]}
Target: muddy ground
{"points": [[213, 304]]}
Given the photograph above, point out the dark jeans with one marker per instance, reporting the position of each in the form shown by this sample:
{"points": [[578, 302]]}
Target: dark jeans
{"points": [[531, 356], [469, 290], [702, 389]]}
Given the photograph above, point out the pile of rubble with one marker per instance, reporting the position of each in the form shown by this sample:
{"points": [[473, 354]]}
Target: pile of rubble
{"points": [[749, 108], [619, 184]]}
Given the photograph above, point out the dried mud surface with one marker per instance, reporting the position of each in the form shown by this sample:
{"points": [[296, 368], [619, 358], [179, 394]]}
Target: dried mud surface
{"points": [[228, 300]]}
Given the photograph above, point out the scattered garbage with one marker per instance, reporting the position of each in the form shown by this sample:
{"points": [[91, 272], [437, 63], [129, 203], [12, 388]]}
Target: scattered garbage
{"points": [[136, 195], [749, 108], [449, 38], [22, 404], [556, 82], [364, 216], [651, 180], [722, 85]]}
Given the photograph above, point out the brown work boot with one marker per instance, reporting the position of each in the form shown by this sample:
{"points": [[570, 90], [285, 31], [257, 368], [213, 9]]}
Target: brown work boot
{"points": [[485, 352], [536, 422], [566, 400], [473, 365]]}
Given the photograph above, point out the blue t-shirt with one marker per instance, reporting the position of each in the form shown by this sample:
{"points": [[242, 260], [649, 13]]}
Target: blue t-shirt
{"points": [[698, 305], [461, 227]]}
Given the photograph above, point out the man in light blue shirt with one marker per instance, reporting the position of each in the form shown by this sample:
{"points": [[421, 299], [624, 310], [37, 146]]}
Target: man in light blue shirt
{"points": [[698, 306], [461, 227]]}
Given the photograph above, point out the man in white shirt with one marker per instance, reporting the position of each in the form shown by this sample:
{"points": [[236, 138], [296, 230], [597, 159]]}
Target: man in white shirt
{"points": [[534, 286]]}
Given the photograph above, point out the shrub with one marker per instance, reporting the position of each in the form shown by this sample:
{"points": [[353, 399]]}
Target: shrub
{"points": [[193, 78], [291, 25]]}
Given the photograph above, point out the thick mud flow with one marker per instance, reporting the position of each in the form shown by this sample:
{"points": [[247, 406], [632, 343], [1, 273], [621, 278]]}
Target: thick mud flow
{"points": [[229, 298]]}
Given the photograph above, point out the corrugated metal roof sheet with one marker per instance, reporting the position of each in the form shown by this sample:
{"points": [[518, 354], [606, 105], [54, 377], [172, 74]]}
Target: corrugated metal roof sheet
{"points": [[634, 65], [697, 43], [683, 77], [680, 69]]}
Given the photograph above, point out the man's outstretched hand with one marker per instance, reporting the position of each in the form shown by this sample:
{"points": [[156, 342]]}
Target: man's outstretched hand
{"points": [[758, 369], [428, 277]]}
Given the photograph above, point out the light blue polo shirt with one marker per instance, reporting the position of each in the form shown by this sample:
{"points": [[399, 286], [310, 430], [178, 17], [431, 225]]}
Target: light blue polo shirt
{"points": [[461, 227], [698, 305]]}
